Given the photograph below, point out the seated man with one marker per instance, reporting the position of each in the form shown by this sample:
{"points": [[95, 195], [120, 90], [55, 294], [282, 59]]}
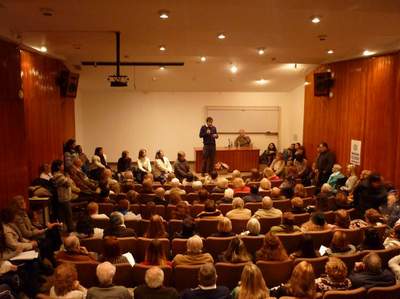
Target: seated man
{"points": [[93, 210], [369, 273], [238, 210], [194, 255], [181, 167], [253, 196], [267, 210], [74, 252], [207, 287], [154, 288], [160, 197], [117, 227], [242, 140], [80, 179], [175, 187], [105, 273]]}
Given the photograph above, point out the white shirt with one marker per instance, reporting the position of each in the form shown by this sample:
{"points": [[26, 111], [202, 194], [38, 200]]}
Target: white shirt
{"points": [[144, 164], [164, 165]]}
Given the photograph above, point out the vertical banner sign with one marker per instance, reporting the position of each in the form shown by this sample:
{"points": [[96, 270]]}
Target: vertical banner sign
{"points": [[355, 152]]}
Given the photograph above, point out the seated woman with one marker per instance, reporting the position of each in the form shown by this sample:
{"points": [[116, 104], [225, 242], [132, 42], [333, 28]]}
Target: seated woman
{"points": [[278, 164], [335, 277], [269, 174], [235, 253], [336, 177], [253, 228], [325, 198], [351, 181], [45, 172], [306, 249], [162, 167], [299, 191], [224, 228], [238, 210], [372, 218], [188, 229], [181, 211], [222, 184], [228, 196], [66, 284], [372, 240], [317, 222], [97, 164], [287, 226], [342, 219], [340, 245], [117, 227], [251, 285], [156, 228], [393, 240], [210, 211], [297, 205], [155, 255], [265, 185], [112, 251], [272, 249], [342, 201], [240, 186], [300, 285], [143, 164]]}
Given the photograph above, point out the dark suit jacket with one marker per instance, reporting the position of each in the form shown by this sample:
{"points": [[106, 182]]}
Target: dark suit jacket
{"points": [[119, 232], [220, 292]]}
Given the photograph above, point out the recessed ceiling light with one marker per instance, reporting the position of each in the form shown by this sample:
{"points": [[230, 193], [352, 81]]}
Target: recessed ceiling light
{"points": [[163, 48], [203, 58], [329, 51], [315, 20], [368, 53], [221, 36], [164, 14], [262, 81], [162, 67], [306, 83], [233, 69], [261, 51], [42, 49]]}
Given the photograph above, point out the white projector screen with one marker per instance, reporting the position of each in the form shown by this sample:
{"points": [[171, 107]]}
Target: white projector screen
{"points": [[254, 120]]}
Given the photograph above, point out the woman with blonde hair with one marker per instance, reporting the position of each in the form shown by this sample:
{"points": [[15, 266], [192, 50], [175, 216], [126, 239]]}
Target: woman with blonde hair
{"points": [[224, 228], [300, 285], [270, 174], [252, 284], [352, 179], [240, 186], [156, 228], [335, 277], [272, 249], [265, 185]]}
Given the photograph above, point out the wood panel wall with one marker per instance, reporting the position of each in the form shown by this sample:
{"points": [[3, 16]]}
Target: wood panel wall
{"points": [[33, 128], [365, 106]]}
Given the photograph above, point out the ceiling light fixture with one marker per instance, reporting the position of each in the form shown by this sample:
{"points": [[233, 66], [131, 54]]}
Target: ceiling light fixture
{"points": [[262, 81], [42, 49], [221, 36], [261, 51], [164, 14], [368, 53], [203, 59], [233, 69], [162, 67], [315, 20], [329, 51], [163, 48], [306, 83]]}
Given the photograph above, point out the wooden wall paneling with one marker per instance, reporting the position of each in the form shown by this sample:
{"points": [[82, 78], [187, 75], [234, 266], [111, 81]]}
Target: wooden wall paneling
{"points": [[397, 122]]}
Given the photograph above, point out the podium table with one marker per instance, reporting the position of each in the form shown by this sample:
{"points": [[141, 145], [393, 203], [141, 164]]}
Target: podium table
{"points": [[242, 158]]}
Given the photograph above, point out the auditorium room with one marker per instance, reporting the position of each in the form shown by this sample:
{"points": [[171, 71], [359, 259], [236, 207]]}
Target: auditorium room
{"points": [[188, 149]]}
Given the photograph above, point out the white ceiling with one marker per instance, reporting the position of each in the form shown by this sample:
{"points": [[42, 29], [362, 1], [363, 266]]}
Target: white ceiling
{"points": [[283, 27]]}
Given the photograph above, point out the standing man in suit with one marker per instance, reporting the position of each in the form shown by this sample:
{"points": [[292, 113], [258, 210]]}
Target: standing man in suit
{"points": [[325, 161], [209, 133]]}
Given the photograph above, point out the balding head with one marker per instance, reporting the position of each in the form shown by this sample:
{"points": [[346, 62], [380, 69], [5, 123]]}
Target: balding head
{"points": [[71, 243], [267, 203], [154, 277], [160, 192], [175, 183], [194, 244], [197, 185], [228, 193], [373, 263], [105, 273], [275, 192]]}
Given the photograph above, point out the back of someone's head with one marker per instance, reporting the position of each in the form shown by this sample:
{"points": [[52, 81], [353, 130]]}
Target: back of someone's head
{"points": [[197, 185], [300, 190], [213, 174], [175, 183], [275, 192], [288, 219], [154, 277], [105, 273], [318, 219], [228, 193], [194, 244], [342, 218], [336, 269], [132, 196], [237, 203], [373, 263], [156, 227], [253, 189], [236, 174], [253, 226], [265, 184], [209, 206], [372, 239], [65, 276], [306, 246], [297, 203], [207, 275], [222, 183], [92, 208], [147, 186], [267, 203], [224, 225], [116, 219], [339, 241], [159, 192], [372, 216], [188, 226], [71, 243], [203, 194], [155, 254], [252, 283], [238, 183], [272, 248], [123, 204], [302, 282], [326, 188], [111, 248]]}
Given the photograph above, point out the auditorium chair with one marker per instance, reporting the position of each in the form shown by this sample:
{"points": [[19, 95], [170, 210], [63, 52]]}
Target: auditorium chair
{"points": [[264, 193], [354, 236], [178, 246], [291, 241], [175, 226], [127, 244], [385, 254], [253, 243], [323, 237], [196, 209], [216, 196], [86, 272], [191, 197], [134, 224], [106, 208], [309, 201], [359, 293], [135, 208], [299, 219], [100, 223], [209, 187], [216, 245], [229, 274], [310, 190], [241, 194], [253, 206], [381, 230], [188, 189], [276, 272], [266, 223], [276, 183], [186, 276], [351, 259], [92, 244], [169, 209], [206, 227], [138, 188], [123, 275], [330, 217], [139, 272], [143, 243], [391, 292], [144, 224], [239, 225], [283, 204], [225, 207], [146, 197], [318, 264]]}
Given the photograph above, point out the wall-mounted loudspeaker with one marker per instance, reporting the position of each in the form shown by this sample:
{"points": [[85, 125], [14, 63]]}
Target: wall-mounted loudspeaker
{"points": [[323, 83], [68, 84]]}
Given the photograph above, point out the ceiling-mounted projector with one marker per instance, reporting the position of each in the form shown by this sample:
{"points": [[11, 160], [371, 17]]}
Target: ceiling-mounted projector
{"points": [[118, 81]]}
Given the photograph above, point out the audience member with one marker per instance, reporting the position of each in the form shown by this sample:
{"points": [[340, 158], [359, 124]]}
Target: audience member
{"points": [[270, 175], [188, 229], [156, 228], [45, 172], [253, 228], [267, 210], [207, 288], [181, 211], [336, 177], [238, 210], [203, 196], [155, 255], [117, 227], [287, 226], [265, 185], [393, 240], [175, 187], [224, 228], [181, 167], [391, 209], [394, 265], [369, 273], [105, 273], [222, 184], [272, 249], [324, 163], [210, 211], [253, 196], [340, 245], [255, 176], [74, 252], [160, 197], [276, 194], [297, 205], [212, 178], [228, 196], [335, 277], [236, 252], [124, 162], [66, 284], [299, 191], [80, 178], [317, 222], [325, 198], [194, 255], [306, 248], [351, 181], [278, 164], [342, 219], [112, 251], [240, 186], [154, 289], [251, 285], [372, 218], [372, 240]]}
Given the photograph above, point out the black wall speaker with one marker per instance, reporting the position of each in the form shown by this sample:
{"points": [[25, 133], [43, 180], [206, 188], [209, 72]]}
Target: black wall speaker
{"points": [[323, 83], [69, 84]]}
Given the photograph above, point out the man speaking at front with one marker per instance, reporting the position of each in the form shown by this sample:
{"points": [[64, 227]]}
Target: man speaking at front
{"points": [[209, 133]]}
